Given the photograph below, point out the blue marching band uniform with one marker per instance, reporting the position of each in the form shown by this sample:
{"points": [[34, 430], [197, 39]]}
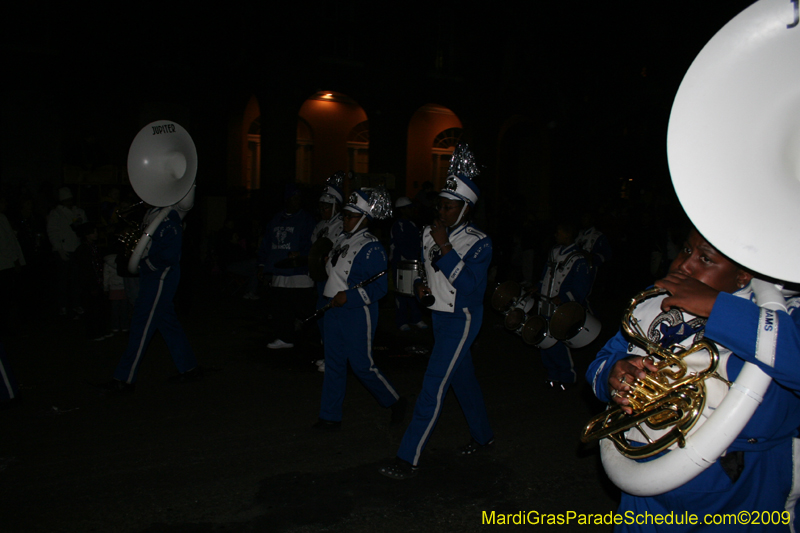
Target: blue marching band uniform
{"points": [[567, 276], [596, 243], [159, 275], [328, 229], [770, 478], [349, 330], [457, 279]]}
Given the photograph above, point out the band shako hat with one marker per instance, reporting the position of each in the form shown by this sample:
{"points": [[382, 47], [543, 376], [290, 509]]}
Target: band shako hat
{"points": [[460, 176], [371, 202], [333, 193]]}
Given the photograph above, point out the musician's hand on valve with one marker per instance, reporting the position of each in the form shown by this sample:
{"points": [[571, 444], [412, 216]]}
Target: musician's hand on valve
{"points": [[623, 373], [340, 299], [688, 294]]}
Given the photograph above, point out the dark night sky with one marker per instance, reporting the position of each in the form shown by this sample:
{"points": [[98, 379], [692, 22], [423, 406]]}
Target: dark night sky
{"points": [[567, 58]]}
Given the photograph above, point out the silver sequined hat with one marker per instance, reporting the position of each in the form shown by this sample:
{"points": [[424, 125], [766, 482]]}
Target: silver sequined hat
{"points": [[460, 176], [373, 202]]}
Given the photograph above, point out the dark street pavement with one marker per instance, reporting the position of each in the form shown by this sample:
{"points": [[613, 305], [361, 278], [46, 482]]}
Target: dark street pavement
{"points": [[235, 452]]}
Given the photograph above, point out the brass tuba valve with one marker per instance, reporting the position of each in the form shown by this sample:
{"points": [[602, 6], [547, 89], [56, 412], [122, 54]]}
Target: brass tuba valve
{"points": [[669, 399]]}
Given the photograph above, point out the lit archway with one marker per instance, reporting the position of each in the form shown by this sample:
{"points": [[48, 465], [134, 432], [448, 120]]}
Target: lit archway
{"points": [[433, 133], [334, 137], [358, 148], [441, 152]]}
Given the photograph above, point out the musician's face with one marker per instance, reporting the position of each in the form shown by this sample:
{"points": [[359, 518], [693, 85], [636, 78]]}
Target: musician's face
{"points": [[350, 220], [449, 211], [325, 210], [701, 261]]}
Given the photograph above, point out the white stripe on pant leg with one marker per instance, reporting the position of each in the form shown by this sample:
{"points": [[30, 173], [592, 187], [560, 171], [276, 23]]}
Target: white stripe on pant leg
{"points": [[369, 356], [571, 365], [141, 348], [441, 390]]}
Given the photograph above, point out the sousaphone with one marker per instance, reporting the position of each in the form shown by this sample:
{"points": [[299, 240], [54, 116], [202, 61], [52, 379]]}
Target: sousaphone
{"points": [[162, 166], [734, 154]]}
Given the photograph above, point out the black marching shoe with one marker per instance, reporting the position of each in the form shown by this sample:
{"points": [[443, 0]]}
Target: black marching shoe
{"points": [[116, 386], [327, 425], [399, 409], [187, 377], [474, 448], [399, 469]]}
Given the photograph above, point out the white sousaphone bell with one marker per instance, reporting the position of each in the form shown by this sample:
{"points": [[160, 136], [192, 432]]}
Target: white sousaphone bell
{"points": [[734, 154], [162, 165]]}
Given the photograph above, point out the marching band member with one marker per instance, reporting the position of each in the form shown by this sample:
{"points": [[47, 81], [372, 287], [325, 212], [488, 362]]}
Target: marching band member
{"points": [[328, 228], [567, 277], [456, 257], [330, 207], [159, 275], [592, 240], [350, 325], [712, 297]]}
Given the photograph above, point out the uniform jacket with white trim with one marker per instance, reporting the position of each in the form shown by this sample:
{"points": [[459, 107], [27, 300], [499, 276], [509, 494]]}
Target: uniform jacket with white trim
{"points": [[353, 259], [329, 229], [595, 242], [457, 279], [734, 326], [566, 275]]}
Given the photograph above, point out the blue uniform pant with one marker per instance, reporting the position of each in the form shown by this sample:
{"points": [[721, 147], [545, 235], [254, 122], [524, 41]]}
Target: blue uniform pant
{"points": [[348, 338], [557, 360], [450, 365], [153, 311]]}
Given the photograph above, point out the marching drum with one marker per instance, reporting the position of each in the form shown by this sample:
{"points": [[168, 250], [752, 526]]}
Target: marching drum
{"points": [[407, 272], [573, 325], [535, 332], [517, 315], [505, 295]]}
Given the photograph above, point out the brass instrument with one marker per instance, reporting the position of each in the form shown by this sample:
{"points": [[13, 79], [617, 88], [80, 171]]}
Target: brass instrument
{"points": [[132, 232], [671, 397], [731, 141], [162, 166]]}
